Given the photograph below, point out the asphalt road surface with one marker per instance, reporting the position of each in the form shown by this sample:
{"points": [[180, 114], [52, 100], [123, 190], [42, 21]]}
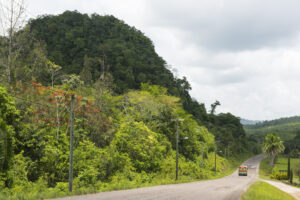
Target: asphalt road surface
{"points": [[228, 188]]}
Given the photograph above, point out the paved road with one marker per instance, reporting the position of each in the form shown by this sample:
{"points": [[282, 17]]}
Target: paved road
{"points": [[227, 188]]}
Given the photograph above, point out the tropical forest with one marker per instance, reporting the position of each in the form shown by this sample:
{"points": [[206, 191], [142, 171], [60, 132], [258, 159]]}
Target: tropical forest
{"points": [[88, 94]]}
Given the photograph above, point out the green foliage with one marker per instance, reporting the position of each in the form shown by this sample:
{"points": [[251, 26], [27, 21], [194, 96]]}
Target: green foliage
{"points": [[229, 133], [154, 90], [19, 171], [280, 164], [99, 46], [8, 122], [85, 74], [141, 145], [277, 175], [272, 146], [285, 128]]}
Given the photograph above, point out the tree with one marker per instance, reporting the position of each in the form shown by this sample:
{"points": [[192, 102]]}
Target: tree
{"points": [[143, 146], [53, 70], [272, 146], [214, 106], [12, 18], [8, 116], [85, 74]]}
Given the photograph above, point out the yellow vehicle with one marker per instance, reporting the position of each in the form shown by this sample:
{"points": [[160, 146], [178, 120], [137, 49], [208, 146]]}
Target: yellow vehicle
{"points": [[243, 170]]}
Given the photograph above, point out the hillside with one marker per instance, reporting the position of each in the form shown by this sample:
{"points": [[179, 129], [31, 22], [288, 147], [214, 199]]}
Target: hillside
{"points": [[96, 46], [248, 122], [286, 128]]}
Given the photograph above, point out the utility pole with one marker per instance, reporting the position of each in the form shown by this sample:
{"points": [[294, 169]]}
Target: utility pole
{"points": [[71, 146], [217, 142], [177, 138], [216, 159], [202, 155]]}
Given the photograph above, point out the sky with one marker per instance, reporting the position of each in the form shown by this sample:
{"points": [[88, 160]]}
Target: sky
{"points": [[243, 53]]}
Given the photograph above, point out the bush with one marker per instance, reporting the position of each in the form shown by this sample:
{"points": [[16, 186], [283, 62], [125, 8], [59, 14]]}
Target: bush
{"points": [[141, 145], [278, 176]]}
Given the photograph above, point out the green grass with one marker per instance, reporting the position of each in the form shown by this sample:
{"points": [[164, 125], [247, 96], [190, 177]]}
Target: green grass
{"points": [[265, 169], [264, 191], [281, 163]]}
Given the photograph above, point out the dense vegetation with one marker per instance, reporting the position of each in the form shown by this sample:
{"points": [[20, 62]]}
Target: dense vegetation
{"points": [[286, 128], [95, 46], [281, 163], [126, 99]]}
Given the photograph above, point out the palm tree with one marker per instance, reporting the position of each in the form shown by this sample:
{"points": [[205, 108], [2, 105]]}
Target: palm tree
{"points": [[272, 146]]}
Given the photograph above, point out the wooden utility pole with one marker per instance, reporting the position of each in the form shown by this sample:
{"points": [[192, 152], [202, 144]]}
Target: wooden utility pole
{"points": [[215, 159], [71, 146], [177, 139], [202, 155]]}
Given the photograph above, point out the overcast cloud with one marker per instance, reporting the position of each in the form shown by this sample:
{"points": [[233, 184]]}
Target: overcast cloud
{"points": [[244, 53]]}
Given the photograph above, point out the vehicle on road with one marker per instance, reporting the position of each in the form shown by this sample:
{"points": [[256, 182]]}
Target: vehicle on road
{"points": [[243, 170]]}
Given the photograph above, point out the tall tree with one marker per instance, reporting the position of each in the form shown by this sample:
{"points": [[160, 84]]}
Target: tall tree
{"points": [[12, 19], [8, 116], [272, 146], [214, 106], [85, 74]]}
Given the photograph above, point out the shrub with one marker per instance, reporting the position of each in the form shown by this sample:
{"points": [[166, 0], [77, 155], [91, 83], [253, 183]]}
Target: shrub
{"points": [[279, 176]]}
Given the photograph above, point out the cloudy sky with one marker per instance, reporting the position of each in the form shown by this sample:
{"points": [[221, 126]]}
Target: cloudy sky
{"points": [[244, 53]]}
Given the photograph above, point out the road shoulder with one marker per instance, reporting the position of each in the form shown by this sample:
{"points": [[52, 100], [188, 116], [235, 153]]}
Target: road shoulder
{"points": [[295, 192]]}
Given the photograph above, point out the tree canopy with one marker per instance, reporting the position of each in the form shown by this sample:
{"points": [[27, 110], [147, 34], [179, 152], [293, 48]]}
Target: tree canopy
{"points": [[272, 146]]}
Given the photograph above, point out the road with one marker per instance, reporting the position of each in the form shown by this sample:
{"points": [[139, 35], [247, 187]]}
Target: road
{"points": [[228, 188]]}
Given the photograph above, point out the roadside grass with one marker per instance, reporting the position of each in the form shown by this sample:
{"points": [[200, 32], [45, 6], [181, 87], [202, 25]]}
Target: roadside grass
{"points": [[39, 190], [281, 163], [265, 169], [262, 191]]}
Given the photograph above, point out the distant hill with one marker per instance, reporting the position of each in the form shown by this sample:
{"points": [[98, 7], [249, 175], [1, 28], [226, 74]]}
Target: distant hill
{"points": [[286, 128], [248, 122]]}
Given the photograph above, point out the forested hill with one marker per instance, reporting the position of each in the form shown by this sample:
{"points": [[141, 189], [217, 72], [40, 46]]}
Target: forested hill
{"points": [[97, 46], [248, 122], [276, 122], [286, 128]]}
